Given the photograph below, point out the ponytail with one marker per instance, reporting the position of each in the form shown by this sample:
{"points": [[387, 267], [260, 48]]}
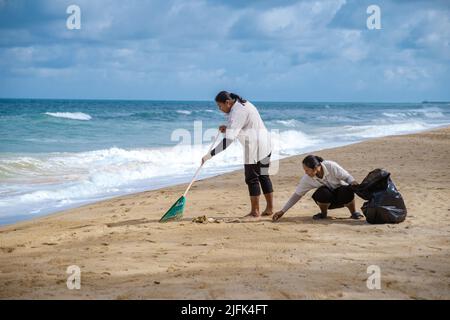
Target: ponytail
{"points": [[312, 161], [238, 98], [223, 96]]}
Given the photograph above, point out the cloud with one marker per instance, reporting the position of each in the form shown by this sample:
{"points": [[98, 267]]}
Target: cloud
{"points": [[277, 50]]}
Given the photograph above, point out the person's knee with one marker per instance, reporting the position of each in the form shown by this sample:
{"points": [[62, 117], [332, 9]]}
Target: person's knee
{"points": [[349, 200], [264, 179], [322, 195], [346, 195], [254, 190], [252, 180], [266, 184]]}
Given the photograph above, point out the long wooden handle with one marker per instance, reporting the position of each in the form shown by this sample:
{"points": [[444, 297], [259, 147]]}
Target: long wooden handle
{"points": [[198, 170]]}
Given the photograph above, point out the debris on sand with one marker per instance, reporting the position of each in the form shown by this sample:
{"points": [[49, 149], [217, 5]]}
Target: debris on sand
{"points": [[201, 219], [204, 219]]}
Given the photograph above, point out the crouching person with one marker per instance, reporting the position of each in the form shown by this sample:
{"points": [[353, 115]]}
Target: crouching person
{"points": [[333, 184]]}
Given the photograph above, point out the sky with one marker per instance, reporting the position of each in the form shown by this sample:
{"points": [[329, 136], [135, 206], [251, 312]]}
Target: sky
{"points": [[189, 50]]}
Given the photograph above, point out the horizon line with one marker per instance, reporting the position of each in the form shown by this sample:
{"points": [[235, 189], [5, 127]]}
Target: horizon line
{"points": [[212, 100]]}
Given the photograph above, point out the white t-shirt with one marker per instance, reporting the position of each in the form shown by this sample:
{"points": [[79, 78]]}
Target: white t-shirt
{"points": [[245, 124], [334, 176]]}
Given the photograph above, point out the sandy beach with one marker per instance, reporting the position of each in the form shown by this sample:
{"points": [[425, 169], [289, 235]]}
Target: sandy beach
{"points": [[124, 253]]}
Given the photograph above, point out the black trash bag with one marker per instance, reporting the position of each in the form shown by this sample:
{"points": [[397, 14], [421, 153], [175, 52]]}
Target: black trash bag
{"points": [[385, 204]]}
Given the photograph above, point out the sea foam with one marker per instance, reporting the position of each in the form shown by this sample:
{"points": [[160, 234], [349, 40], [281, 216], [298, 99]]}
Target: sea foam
{"points": [[70, 115]]}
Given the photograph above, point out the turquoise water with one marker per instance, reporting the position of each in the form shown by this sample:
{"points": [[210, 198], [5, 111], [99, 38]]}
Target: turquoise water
{"points": [[57, 154]]}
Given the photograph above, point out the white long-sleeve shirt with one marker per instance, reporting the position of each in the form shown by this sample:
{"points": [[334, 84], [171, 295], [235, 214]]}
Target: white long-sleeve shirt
{"points": [[245, 124], [334, 176]]}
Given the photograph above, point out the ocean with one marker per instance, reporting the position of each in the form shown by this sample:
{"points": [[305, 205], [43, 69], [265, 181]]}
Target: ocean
{"points": [[60, 154]]}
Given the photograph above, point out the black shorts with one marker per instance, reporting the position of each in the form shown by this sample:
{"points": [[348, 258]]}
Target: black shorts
{"points": [[257, 177], [336, 197]]}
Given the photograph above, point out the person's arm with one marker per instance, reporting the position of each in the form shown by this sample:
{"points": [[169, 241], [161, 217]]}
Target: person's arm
{"points": [[302, 188], [235, 124], [292, 200], [221, 146]]}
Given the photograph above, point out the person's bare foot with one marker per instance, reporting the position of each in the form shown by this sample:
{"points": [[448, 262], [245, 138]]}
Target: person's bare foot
{"points": [[267, 213], [253, 215]]}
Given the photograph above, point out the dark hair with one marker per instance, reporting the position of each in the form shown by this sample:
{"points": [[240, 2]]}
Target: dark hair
{"points": [[312, 161], [223, 96]]}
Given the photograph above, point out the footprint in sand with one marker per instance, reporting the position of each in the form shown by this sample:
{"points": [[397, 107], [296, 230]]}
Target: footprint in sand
{"points": [[49, 244], [285, 294], [7, 250]]}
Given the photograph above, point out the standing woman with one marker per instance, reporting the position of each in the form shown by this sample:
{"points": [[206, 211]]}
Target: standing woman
{"points": [[245, 124], [333, 184]]}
